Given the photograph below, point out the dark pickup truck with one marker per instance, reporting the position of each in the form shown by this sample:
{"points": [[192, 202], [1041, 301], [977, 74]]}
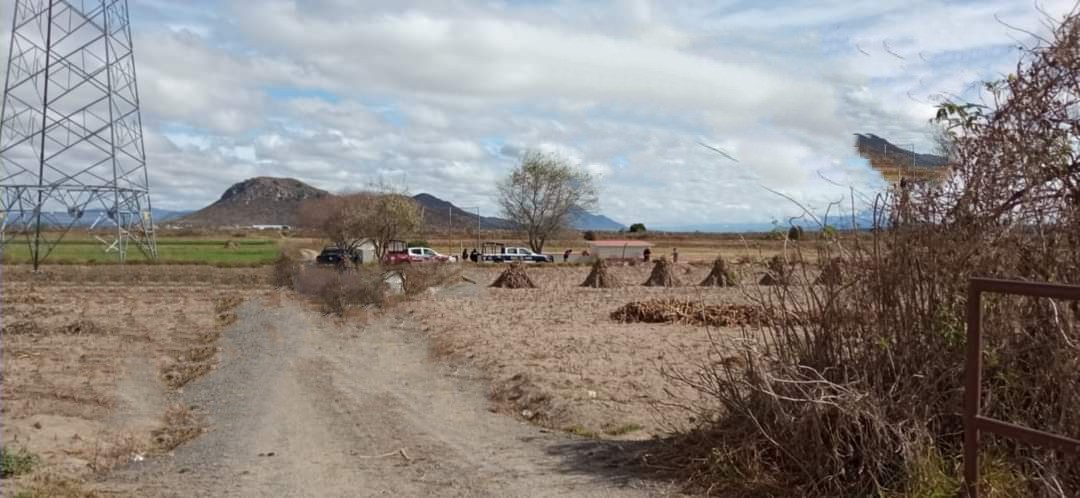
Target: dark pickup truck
{"points": [[333, 255]]}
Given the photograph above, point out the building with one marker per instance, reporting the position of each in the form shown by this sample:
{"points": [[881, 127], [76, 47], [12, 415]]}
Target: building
{"points": [[618, 249], [366, 249], [271, 227]]}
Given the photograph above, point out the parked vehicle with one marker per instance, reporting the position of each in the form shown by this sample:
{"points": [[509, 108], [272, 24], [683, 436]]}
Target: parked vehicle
{"points": [[427, 254], [396, 252], [333, 255], [496, 252]]}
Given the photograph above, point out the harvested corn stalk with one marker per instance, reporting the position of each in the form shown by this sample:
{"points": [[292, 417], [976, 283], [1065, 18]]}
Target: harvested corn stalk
{"points": [[663, 275], [778, 272], [720, 276], [832, 273], [601, 277], [680, 311], [514, 277]]}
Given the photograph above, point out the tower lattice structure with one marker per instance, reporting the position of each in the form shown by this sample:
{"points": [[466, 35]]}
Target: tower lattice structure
{"points": [[71, 140]]}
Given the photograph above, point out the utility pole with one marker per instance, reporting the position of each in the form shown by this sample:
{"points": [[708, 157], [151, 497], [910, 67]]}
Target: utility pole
{"points": [[72, 140], [477, 209]]}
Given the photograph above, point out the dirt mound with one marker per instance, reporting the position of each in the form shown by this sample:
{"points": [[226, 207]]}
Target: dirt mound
{"points": [[720, 276], [680, 311], [514, 277], [520, 395], [601, 277], [778, 272], [663, 275]]}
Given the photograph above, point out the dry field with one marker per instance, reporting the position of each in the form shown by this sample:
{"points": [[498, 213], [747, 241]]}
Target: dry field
{"points": [[93, 359], [555, 357]]}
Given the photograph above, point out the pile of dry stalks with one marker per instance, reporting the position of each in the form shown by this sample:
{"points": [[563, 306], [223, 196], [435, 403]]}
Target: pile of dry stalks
{"points": [[690, 312], [777, 272], [663, 275], [601, 277], [864, 399], [720, 275], [514, 277]]}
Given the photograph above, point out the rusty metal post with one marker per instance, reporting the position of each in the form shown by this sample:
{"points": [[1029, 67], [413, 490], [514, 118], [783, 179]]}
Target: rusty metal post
{"points": [[972, 389]]}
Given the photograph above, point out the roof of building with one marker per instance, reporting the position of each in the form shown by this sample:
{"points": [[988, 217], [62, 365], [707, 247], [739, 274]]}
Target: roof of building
{"points": [[619, 243]]}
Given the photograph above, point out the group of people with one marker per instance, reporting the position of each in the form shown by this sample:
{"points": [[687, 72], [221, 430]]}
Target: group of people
{"points": [[646, 255], [473, 256]]}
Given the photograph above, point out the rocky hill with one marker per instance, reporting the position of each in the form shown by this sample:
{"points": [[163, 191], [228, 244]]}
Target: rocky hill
{"points": [[256, 201]]}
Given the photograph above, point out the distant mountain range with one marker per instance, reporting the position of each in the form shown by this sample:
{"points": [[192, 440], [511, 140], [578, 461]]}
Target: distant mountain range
{"points": [[92, 217], [440, 213], [861, 222], [276, 201], [894, 162]]}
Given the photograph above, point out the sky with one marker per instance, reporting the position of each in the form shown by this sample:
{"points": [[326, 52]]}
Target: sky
{"points": [[444, 96]]}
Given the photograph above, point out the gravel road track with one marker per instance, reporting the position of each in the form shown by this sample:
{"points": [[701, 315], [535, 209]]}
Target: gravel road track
{"points": [[300, 406]]}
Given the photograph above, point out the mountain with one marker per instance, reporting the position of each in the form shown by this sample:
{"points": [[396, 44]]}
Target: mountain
{"points": [[584, 220], [893, 161], [99, 217], [862, 221], [439, 214], [256, 201]]}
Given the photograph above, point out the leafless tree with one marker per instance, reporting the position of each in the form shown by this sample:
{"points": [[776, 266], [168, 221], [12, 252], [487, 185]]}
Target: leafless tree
{"points": [[379, 216], [542, 193]]}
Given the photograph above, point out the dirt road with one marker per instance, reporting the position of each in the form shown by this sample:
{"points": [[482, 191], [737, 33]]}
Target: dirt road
{"points": [[302, 407]]}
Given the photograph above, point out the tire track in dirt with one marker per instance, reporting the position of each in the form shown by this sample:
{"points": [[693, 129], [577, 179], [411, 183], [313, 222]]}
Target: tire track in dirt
{"points": [[358, 412]]}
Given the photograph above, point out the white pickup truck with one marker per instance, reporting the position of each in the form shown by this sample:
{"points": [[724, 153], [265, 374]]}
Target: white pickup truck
{"points": [[521, 254]]}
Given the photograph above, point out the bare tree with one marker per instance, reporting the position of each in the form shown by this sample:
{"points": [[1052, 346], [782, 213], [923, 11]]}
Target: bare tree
{"points": [[379, 216], [337, 217], [542, 193]]}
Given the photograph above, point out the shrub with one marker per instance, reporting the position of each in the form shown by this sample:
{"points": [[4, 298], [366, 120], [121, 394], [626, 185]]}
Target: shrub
{"points": [[863, 398], [418, 243], [828, 232], [16, 462], [589, 235], [281, 274], [419, 278], [795, 233], [338, 291]]}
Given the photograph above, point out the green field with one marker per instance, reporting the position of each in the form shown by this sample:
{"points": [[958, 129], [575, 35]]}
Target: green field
{"points": [[170, 251]]}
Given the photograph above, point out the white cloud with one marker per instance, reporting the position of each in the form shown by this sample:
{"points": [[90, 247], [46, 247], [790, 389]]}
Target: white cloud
{"points": [[444, 96]]}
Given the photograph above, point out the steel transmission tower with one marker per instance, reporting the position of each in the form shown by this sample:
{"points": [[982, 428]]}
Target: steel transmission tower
{"points": [[71, 142]]}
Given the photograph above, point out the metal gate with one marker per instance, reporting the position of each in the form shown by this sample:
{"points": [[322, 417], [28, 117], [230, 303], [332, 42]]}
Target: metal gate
{"points": [[974, 423]]}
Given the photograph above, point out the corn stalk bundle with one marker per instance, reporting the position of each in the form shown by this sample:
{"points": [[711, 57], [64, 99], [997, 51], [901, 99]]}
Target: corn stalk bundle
{"points": [[601, 277], [663, 275], [514, 277], [720, 276], [777, 273]]}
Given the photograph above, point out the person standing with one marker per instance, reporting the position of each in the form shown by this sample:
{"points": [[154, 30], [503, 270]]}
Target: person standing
{"points": [[474, 256], [566, 255], [646, 255], [464, 254], [674, 254]]}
